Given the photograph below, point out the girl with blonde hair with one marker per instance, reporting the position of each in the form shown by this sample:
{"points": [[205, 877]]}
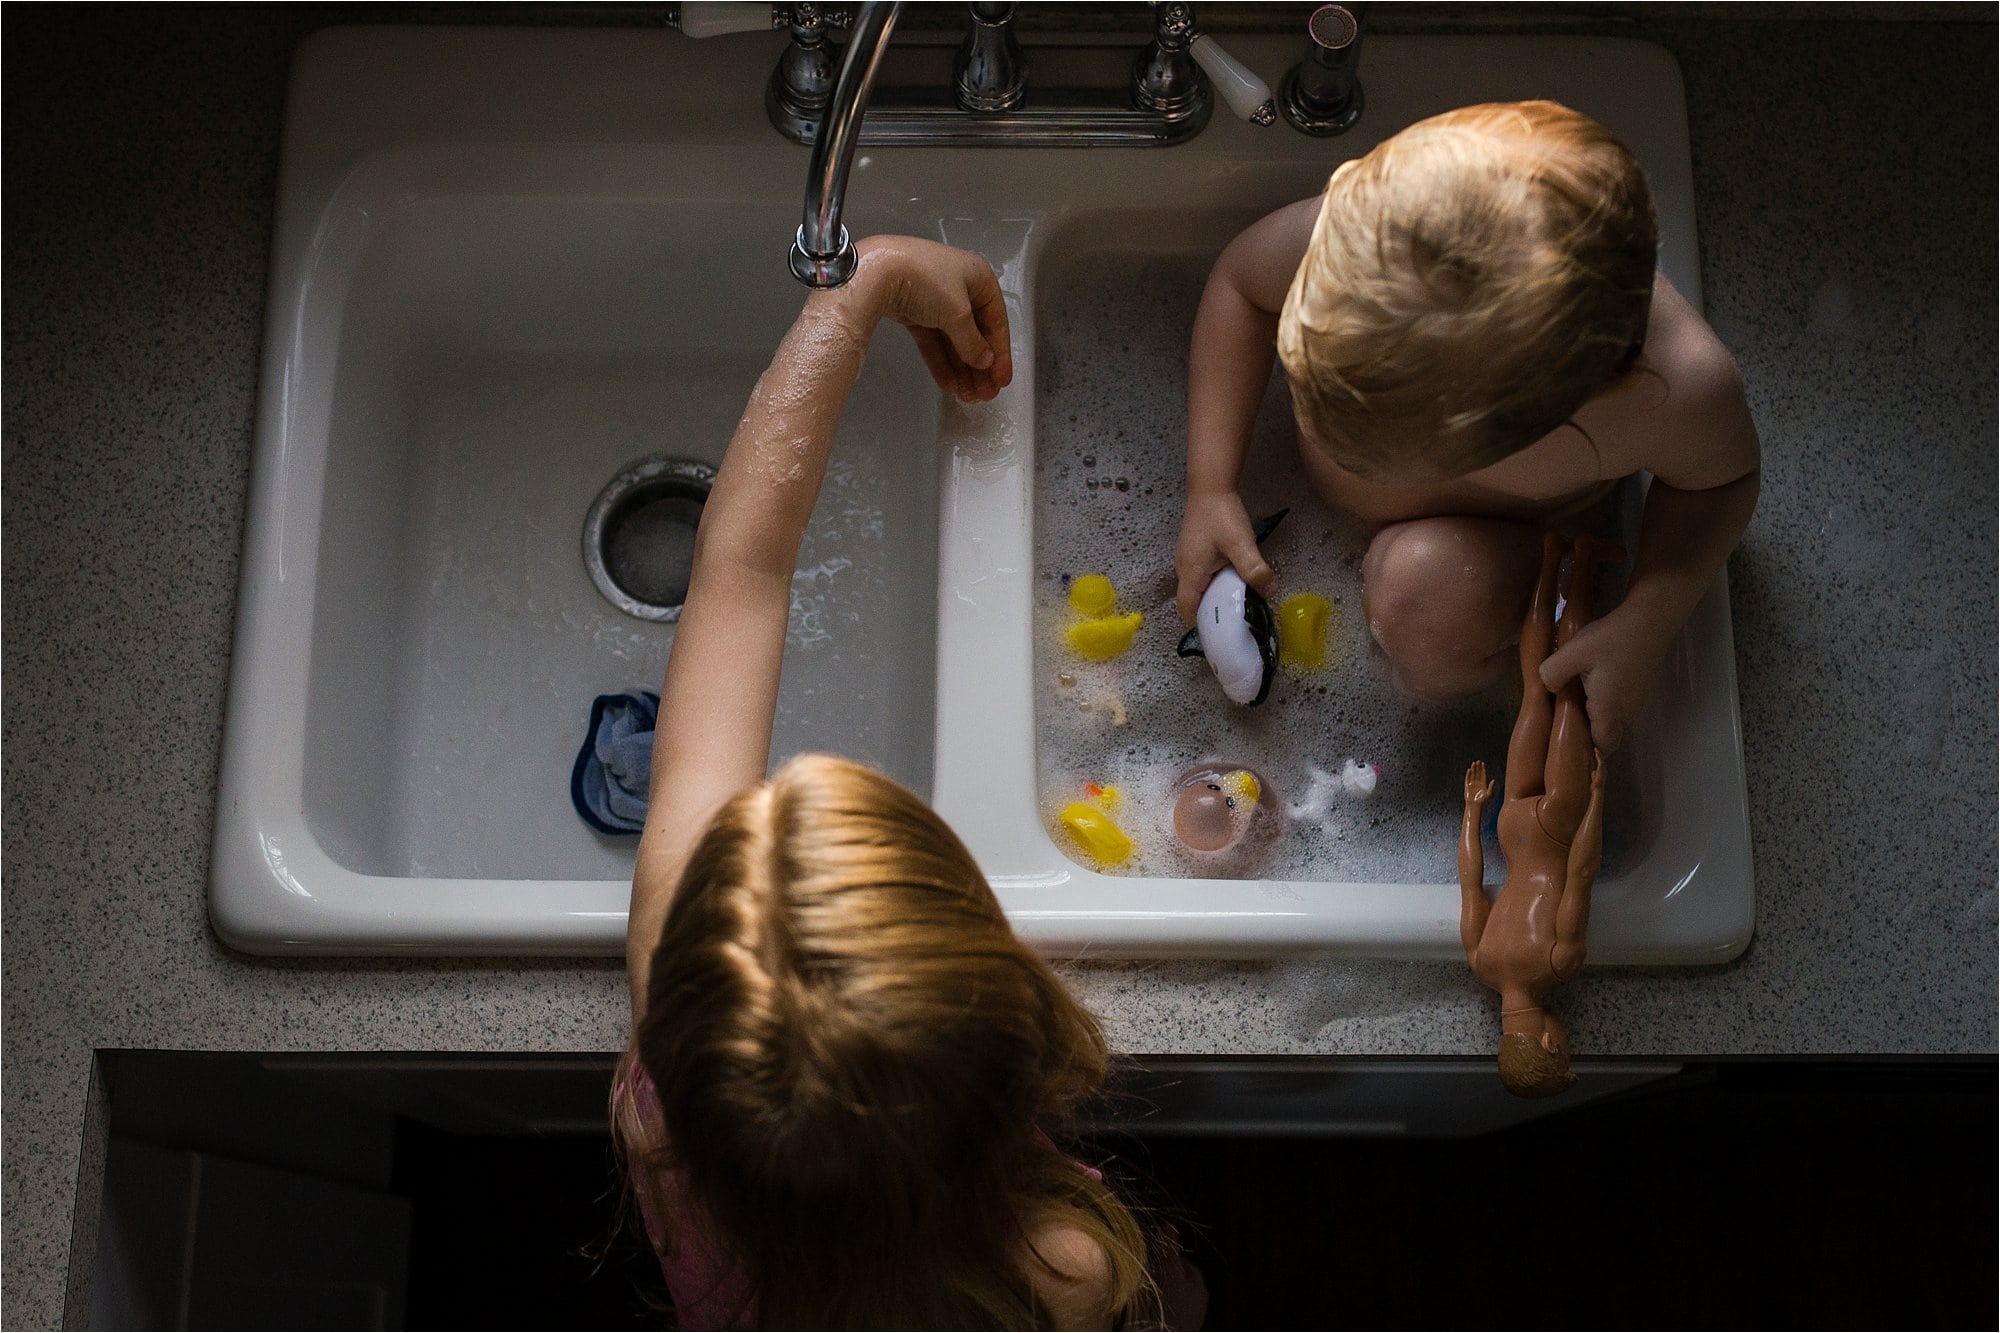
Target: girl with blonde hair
{"points": [[841, 1056]]}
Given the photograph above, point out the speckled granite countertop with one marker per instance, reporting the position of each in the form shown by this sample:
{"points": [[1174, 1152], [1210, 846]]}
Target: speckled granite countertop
{"points": [[1848, 257]]}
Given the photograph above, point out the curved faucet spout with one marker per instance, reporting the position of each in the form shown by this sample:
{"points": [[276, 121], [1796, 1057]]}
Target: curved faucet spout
{"points": [[823, 254]]}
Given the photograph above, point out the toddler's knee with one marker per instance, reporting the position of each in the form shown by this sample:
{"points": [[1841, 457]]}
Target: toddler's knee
{"points": [[1439, 607]]}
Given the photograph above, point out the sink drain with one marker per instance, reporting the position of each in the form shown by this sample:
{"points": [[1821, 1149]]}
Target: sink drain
{"points": [[638, 538]]}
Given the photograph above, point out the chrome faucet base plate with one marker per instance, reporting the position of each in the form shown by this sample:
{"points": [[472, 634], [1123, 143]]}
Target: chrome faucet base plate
{"points": [[1302, 116]]}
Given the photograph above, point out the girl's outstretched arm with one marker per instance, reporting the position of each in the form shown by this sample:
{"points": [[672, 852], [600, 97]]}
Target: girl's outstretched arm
{"points": [[716, 708]]}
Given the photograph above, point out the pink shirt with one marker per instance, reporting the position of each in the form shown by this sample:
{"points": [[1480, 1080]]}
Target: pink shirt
{"points": [[696, 1270]]}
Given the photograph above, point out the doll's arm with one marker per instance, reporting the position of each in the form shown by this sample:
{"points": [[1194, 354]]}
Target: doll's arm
{"points": [[716, 708], [1585, 854], [1474, 906], [1229, 366]]}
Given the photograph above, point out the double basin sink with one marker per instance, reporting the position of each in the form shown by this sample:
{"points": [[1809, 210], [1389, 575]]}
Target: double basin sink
{"points": [[508, 264]]}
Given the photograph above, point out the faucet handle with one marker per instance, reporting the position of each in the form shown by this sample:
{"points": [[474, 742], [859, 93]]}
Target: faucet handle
{"points": [[717, 17], [1246, 94], [1164, 80], [801, 86], [989, 73]]}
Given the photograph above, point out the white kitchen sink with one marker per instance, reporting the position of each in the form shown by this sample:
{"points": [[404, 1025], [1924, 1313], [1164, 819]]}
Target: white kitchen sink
{"points": [[508, 263]]}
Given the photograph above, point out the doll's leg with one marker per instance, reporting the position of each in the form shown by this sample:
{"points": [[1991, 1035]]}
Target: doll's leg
{"points": [[1567, 776], [1527, 751], [1580, 876]]}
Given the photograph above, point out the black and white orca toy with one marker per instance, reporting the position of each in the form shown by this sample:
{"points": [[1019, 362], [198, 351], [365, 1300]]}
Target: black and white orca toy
{"points": [[1235, 631]]}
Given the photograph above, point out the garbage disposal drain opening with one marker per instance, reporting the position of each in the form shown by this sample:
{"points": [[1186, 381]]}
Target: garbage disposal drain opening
{"points": [[638, 538]]}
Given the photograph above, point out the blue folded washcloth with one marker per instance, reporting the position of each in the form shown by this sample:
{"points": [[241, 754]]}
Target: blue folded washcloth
{"points": [[614, 770]]}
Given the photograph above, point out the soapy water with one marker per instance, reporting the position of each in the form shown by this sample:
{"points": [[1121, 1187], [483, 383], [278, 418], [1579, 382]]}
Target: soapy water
{"points": [[1109, 469]]}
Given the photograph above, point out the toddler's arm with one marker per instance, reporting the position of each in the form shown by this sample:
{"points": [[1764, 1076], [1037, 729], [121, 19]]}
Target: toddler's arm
{"points": [[1705, 482], [721, 690], [1229, 366]]}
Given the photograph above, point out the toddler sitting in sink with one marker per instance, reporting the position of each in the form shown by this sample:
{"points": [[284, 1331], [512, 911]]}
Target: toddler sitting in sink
{"points": [[841, 1063], [1478, 345]]}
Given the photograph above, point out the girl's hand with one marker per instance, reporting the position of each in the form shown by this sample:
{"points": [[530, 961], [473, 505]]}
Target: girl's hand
{"points": [[1216, 531], [951, 303]]}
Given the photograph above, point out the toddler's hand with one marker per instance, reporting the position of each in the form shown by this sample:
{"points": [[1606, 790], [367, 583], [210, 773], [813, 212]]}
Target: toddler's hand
{"points": [[1616, 657], [1216, 531], [950, 301]]}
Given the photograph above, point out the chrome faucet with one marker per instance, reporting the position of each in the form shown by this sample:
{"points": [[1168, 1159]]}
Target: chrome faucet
{"points": [[989, 74], [1321, 96], [1165, 81], [1166, 100], [823, 253], [802, 84]]}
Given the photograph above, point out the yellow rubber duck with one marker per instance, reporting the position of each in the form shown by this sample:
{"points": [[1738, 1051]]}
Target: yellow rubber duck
{"points": [[1106, 637], [1100, 635], [1095, 833], [1092, 595]]}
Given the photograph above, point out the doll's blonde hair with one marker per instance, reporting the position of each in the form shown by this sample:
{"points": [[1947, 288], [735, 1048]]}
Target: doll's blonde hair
{"points": [[852, 1050], [1469, 285], [1530, 1069]]}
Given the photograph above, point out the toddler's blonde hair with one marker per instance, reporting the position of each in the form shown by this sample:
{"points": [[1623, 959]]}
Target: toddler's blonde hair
{"points": [[851, 1050], [1469, 285]]}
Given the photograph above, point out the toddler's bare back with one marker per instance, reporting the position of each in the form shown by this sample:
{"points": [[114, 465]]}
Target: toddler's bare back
{"points": [[1651, 420]]}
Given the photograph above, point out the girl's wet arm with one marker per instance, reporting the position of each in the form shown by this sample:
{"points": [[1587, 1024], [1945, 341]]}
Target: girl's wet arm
{"points": [[721, 690]]}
